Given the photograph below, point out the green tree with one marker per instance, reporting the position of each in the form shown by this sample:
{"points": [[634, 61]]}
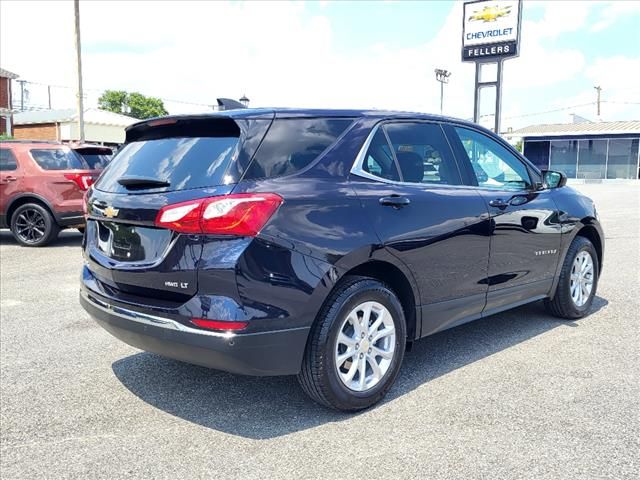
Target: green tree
{"points": [[519, 146], [132, 104]]}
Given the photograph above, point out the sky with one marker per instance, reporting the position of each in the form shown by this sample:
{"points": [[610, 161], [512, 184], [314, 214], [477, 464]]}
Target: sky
{"points": [[325, 54]]}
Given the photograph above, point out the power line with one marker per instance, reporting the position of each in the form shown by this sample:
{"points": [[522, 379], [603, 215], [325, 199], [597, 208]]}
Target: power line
{"points": [[104, 89], [550, 111]]}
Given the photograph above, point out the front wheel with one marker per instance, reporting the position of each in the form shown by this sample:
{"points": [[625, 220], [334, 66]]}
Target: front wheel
{"points": [[577, 283], [356, 347]]}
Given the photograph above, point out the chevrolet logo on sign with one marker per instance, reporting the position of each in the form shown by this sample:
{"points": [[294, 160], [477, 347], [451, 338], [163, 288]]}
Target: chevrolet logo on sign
{"points": [[490, 29], [110, 212], [490, 13]]}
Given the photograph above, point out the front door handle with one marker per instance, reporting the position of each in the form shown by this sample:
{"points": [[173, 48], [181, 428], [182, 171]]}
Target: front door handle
{"points": [[395, 201], [499, 203]]}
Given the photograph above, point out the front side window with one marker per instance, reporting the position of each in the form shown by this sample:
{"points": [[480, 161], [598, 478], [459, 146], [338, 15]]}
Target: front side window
{"points": [[423, 153], [7, 160], [493, 165], [58, 159]]}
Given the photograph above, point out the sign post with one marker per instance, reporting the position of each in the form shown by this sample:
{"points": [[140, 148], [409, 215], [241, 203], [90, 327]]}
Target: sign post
{"points": [[490, 35]]}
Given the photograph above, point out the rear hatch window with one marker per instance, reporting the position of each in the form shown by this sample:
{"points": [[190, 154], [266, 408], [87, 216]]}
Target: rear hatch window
{"points": [[179, 163], [96, 158]]}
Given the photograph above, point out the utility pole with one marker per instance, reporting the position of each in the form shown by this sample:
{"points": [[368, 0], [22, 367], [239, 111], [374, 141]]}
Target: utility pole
{"points": [[49, 95], [442, 76], [21, 82], [76, 8], [598, 89]]}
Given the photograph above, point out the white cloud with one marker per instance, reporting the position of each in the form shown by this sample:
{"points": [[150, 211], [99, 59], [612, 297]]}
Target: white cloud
{"points": [[614, 11], [279, 55]]}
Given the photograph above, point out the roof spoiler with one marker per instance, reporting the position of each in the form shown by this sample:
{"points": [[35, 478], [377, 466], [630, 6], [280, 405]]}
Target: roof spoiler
{"points": [[207, 125], [229, 104]]}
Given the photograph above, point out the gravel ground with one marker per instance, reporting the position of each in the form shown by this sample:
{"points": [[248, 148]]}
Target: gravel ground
{"points": [[517, 395]]}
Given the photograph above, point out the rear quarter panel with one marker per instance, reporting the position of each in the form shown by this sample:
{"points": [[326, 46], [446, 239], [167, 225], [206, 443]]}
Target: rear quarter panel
{"points": [[319, 233]]}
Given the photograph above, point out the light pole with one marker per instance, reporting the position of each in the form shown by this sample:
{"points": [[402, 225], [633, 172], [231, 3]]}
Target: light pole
{"points": [[443, 77], [245, 101], [76, 9]]}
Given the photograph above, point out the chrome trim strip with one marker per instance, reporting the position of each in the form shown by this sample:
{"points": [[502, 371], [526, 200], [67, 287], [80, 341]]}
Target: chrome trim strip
{"points": [[147, 319]]}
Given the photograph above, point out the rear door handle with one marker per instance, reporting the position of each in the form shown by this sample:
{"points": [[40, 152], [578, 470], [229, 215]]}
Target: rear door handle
{"points": [[395, 201], [499, 203], [9, 178]]}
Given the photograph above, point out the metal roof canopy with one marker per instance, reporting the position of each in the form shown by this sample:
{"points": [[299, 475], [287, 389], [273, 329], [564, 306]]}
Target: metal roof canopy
{"points": [[631, 127]]}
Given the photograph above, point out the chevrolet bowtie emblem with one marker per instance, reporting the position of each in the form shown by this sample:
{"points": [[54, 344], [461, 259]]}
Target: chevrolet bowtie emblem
{"points": [[110, 212], [490, 13]]}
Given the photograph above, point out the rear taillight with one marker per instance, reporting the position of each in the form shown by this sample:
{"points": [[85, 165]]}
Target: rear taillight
{"points": [[219, 324], [242, 214], [82, 180]]}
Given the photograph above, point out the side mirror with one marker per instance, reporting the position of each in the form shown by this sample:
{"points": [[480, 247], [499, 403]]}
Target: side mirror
{"points": [[553, 179]]}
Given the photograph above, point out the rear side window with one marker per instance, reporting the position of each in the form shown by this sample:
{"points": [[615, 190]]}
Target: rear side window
{"points": [[379, 160], [293, 143], [423, 153], [7, 160], [183, 162], [58, 159]]}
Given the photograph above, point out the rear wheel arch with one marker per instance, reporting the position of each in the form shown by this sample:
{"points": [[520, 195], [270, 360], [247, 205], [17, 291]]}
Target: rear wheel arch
{"points": [[397, 281], [29, 198]]}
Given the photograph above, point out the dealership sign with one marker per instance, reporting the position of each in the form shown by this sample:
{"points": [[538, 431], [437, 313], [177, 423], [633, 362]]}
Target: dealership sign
{"points": [[490, 30]]}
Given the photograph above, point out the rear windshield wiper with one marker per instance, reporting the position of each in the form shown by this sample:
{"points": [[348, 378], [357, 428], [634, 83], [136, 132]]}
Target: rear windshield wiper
{"points": [[142, 182]]}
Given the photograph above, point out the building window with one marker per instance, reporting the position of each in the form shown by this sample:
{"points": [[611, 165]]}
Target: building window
{"points": [[564, 157], [592, 158], [538, 154], [623, 158]]}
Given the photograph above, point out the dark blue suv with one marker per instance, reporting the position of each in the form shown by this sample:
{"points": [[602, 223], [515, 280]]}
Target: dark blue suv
{"points": [[322, 242]]}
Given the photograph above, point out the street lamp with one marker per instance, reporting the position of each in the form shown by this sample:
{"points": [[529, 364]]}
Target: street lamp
{"points": [[443, 77], [245, 101]]}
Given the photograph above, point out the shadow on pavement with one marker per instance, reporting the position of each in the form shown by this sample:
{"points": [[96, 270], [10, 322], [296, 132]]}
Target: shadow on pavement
{"points": [[268, 407], [67, 238]]}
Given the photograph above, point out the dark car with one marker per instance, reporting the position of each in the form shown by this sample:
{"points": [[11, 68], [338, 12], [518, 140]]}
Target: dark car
{"points": [[42, 185], [96, 156], [321, 243]]}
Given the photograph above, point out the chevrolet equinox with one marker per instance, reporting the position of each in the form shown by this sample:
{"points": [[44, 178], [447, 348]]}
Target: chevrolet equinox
{"points": [[321, 243]]}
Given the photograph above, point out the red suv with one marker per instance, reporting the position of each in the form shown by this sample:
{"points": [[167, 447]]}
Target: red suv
{"points": [[42, 185]]}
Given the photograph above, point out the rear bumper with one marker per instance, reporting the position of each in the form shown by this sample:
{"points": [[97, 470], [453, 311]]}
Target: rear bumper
{"points": [[265, 353]]}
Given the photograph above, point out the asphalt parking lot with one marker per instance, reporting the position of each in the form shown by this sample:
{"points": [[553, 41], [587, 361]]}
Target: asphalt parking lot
{"points": [[517, 395]]}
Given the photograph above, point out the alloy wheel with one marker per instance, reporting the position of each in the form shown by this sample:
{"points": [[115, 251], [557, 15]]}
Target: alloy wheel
{"points": [[365, 346], [582, 276], [31, 226]]}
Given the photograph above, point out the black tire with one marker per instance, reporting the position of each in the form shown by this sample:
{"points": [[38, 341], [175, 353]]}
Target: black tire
{"points": [[38, 216], [561, 304], [318, 377]]}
